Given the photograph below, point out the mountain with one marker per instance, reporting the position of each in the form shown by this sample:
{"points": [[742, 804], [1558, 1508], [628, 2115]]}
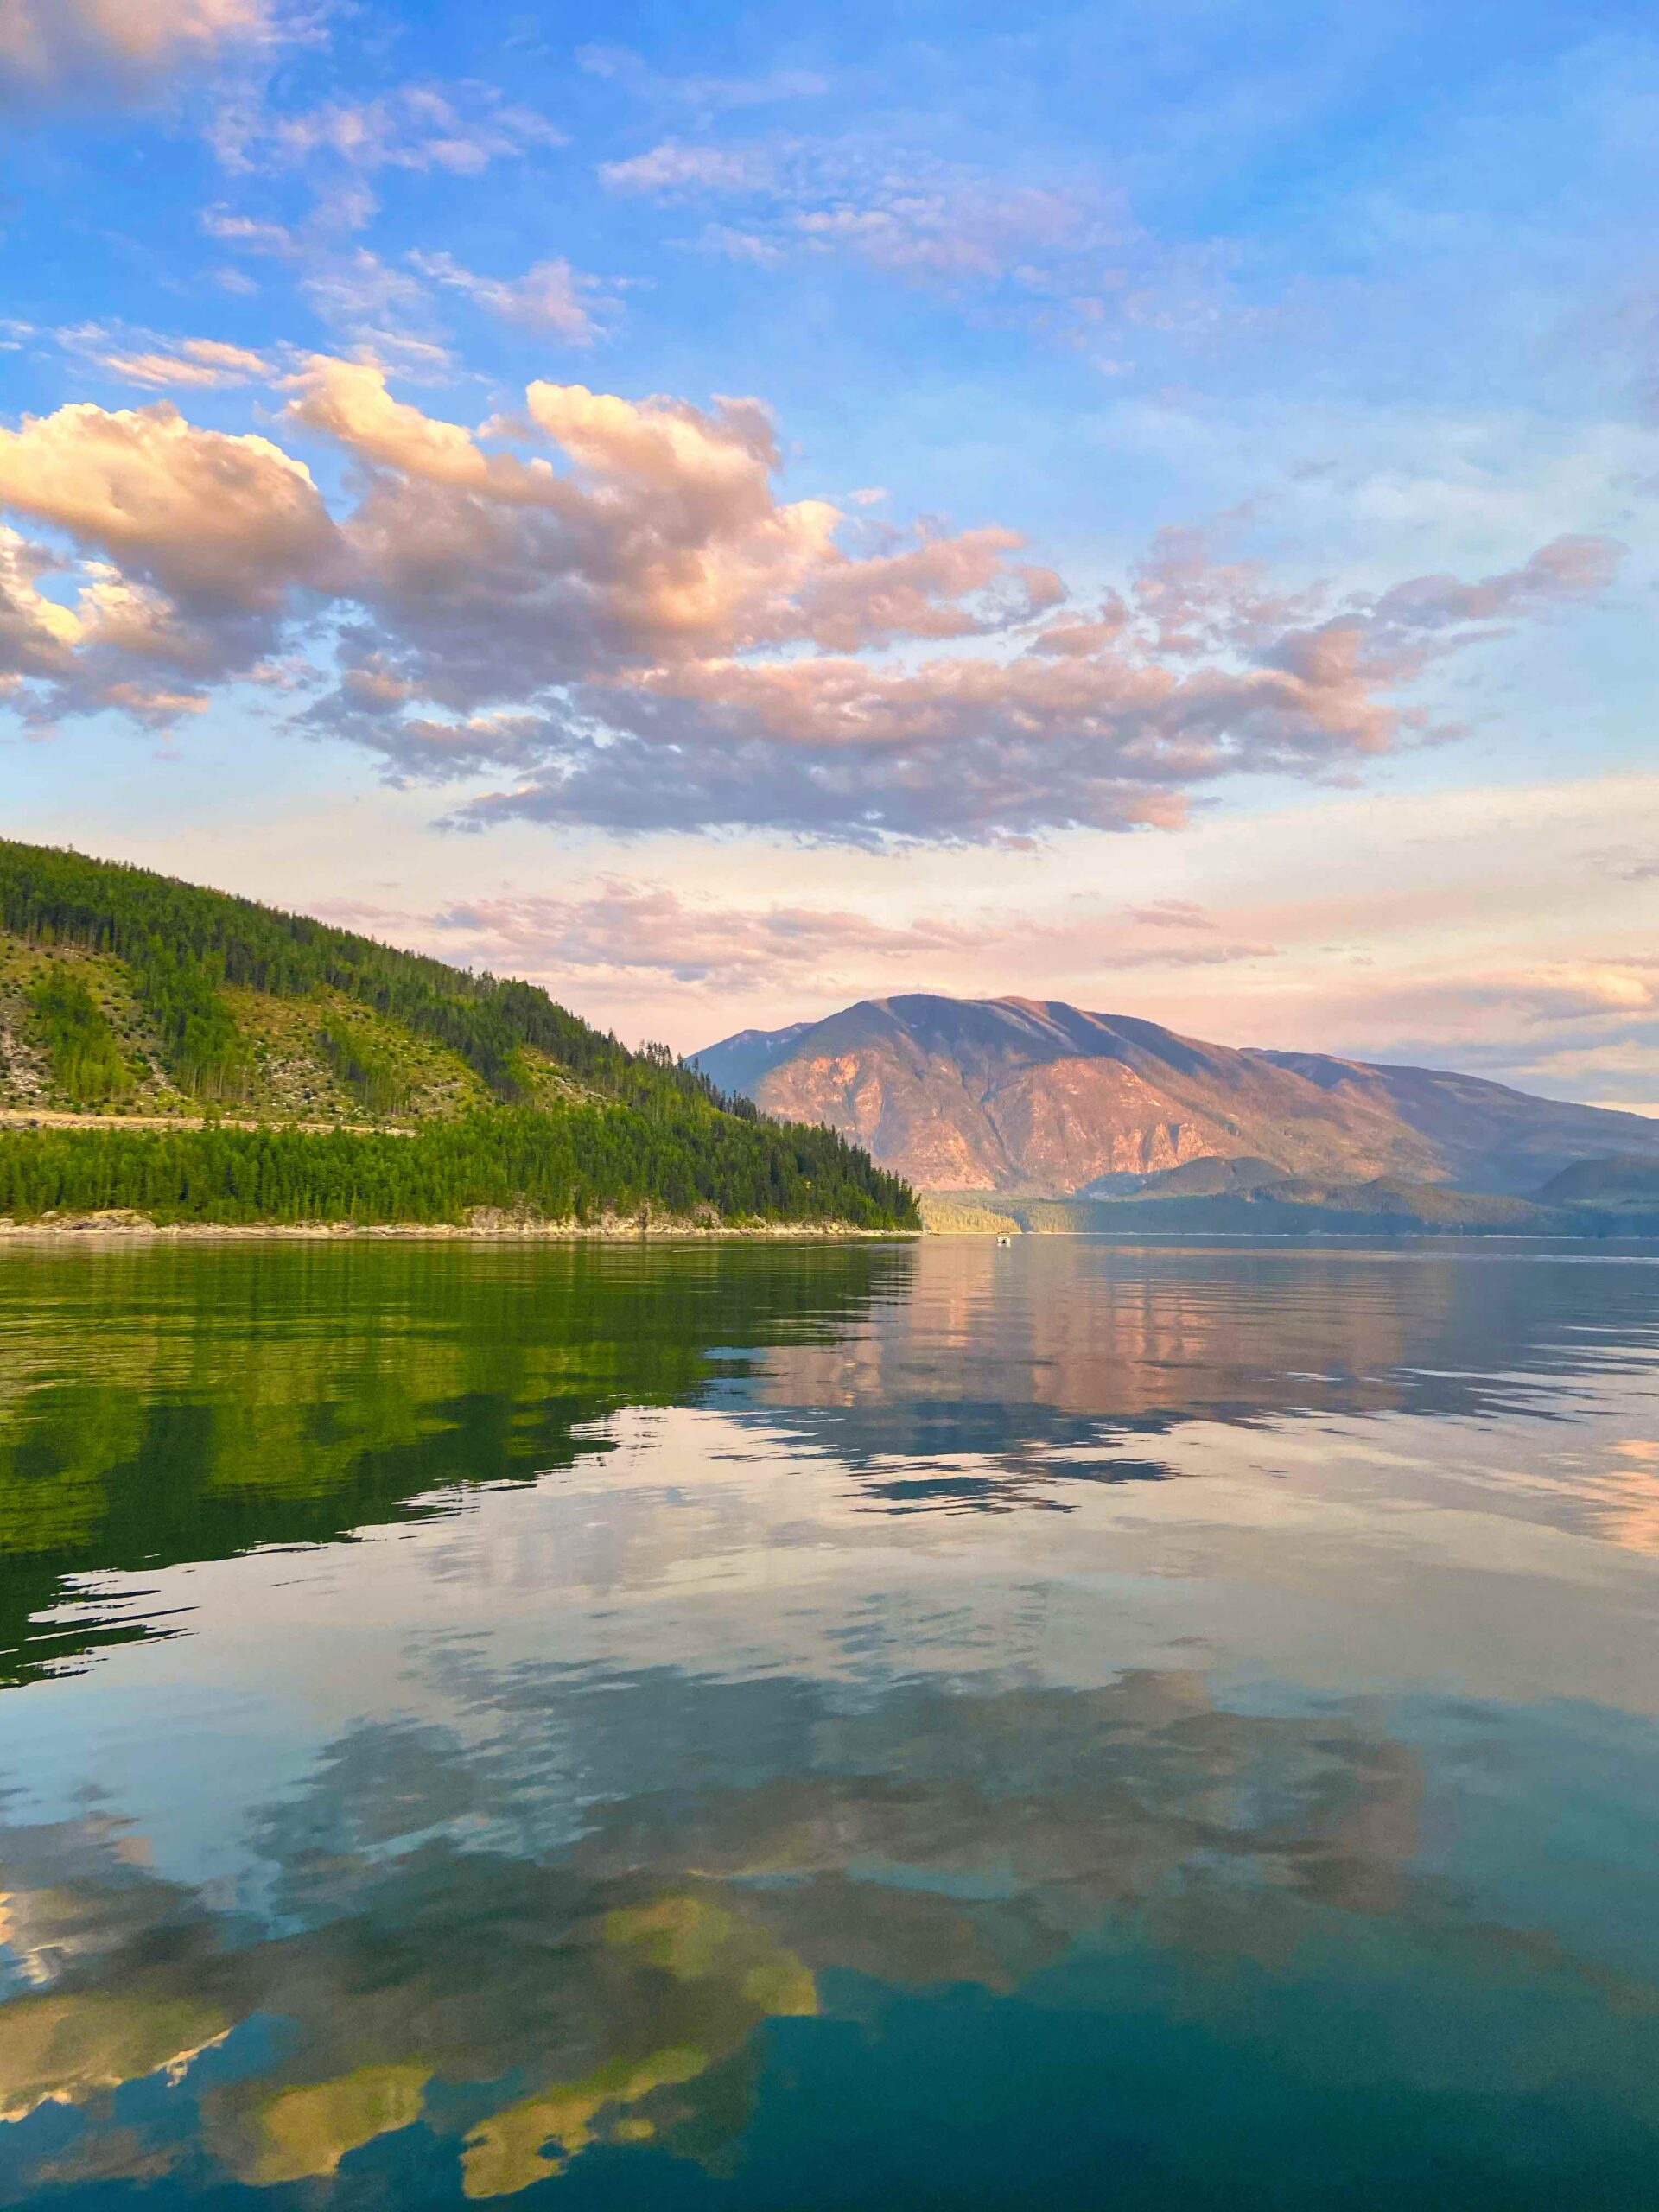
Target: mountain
{"points": [[1623, 1179], [200, 1058], [1040, 1099]]}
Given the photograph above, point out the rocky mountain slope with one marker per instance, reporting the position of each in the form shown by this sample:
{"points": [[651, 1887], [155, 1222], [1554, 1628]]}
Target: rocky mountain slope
{"points": [[1018, 1095]]}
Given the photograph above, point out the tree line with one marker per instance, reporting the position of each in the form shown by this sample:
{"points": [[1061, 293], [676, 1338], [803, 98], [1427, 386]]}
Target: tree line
{"points": [[576, 1163]]}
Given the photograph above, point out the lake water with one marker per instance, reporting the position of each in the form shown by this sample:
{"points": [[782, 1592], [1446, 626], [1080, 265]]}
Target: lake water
{"points": [[1161, 1729]]}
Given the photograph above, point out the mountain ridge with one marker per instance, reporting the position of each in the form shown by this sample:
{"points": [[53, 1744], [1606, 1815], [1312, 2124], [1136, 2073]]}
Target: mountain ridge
{"points": [[1043, 1098]]}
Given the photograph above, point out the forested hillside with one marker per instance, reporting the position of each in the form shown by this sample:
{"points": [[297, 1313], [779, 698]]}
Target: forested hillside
{"points": [[343, 1079]]}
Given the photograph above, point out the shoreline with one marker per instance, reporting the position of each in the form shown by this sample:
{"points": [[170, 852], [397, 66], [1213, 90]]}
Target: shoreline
{"points": [[124, 1228]]}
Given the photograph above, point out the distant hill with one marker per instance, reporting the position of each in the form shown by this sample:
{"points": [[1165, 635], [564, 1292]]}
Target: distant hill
{"points": [[1626, 1178], [343, 1079], [1040, 1099]]}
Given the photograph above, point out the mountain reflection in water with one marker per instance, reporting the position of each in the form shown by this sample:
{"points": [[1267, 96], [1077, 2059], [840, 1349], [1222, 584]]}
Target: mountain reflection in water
{"points": [[850, 1726]]}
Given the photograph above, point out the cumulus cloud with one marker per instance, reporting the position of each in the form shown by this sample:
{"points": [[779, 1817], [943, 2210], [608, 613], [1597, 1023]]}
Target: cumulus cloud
{"points": [[189, 545], [1568, 569], [118, 49], [632, 630], [37, 634], [206, 516]]}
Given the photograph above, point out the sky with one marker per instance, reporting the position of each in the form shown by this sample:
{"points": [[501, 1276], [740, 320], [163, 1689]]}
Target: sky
{"points": [[728, 511]]}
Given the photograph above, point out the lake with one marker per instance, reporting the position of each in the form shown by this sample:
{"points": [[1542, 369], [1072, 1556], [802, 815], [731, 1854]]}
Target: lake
{"points": [[861, 1725]]}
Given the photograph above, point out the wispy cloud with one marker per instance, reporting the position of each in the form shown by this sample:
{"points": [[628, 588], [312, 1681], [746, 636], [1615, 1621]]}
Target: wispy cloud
{"points": [[158, 362], [704, 97], [621, 932], [672, 170], [338, 146], [551, 296], [1060, 254]]}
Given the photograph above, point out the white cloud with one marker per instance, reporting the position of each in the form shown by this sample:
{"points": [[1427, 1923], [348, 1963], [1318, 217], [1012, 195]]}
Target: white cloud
{"points": [[675, 171]]}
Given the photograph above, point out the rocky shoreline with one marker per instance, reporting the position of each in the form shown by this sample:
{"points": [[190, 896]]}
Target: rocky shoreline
{"points": [[486, 1225]]}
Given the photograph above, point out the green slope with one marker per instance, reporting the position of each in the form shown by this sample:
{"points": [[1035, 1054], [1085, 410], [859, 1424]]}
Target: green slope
{"points": [[341, 1079]]}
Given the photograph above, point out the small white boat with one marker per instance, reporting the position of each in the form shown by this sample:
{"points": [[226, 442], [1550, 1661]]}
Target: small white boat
{"points": [[1004, 1240]]}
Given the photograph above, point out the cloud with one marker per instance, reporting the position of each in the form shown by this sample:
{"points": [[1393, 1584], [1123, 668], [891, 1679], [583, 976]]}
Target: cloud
{"points": [[37, 635], [1630, 863], [117, 50], [1171, 914], [198, 363], [455, 130], [190, 545], [705, 96], [673, 171], [551, 296], [382, 311], [1058, 255], [113, 644], [248, 235], [648, 931], [1586, 1028], [1548, 992], [1568, 569], [625, 932], [637, 632], [206, 516]]}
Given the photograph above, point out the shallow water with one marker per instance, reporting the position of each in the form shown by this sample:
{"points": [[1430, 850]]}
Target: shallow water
{"points": [[865, 1726]]}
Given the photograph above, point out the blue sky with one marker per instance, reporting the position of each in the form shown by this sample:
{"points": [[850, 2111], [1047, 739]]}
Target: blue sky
{"points": [[728, 511]]}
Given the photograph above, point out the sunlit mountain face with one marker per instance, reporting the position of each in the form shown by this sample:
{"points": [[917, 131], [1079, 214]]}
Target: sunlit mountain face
{"points": [[1041, 1097], [640, 1726]]}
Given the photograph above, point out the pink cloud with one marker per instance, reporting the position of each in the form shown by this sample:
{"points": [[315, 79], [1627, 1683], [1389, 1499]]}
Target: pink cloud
{"points": [[646, 934], [634, 628], [119, 49]]}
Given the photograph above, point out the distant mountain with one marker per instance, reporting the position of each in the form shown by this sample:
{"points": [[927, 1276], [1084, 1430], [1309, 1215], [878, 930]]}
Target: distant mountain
{"points": [[1624, 1180], [1038, 1098]]}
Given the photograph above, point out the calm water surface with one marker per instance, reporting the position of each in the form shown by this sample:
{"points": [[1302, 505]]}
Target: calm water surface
{"points": [[1071, 1727]]}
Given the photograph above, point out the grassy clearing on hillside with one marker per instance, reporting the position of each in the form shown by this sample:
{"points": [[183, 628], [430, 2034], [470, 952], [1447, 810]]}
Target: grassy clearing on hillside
{"points": [[72, 1038], [323, 1058]]}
